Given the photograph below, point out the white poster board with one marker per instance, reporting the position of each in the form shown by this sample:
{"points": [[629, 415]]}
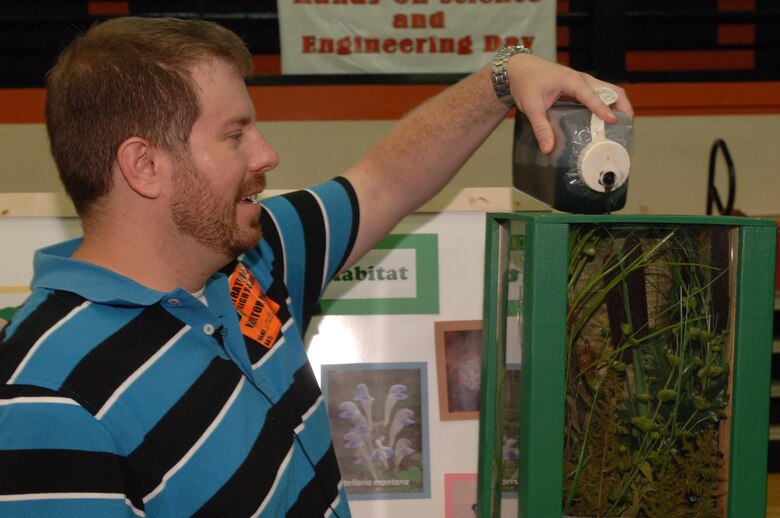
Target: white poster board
{"points": [[431, 270], [409, 36]]}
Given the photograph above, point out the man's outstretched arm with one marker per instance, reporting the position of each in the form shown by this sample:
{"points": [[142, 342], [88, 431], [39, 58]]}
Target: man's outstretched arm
{"points": [[420, 155]]}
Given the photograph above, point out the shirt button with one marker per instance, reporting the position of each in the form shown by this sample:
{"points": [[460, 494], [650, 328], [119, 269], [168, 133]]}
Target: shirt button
{"points": [[208, 329], [174, 302]]}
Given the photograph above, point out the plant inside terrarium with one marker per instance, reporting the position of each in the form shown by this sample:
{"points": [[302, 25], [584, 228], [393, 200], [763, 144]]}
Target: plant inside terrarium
{"points": [[647, 372]]}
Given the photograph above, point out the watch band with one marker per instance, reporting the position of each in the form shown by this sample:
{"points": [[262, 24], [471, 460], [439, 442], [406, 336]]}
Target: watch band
{"points": [[500, 78]]}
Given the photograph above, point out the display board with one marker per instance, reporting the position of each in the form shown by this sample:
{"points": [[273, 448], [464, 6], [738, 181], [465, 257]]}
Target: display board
{"points": [[378, 330]]}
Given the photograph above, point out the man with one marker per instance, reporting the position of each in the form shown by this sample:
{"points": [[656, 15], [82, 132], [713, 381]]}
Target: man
{"points": [[151, 372]]}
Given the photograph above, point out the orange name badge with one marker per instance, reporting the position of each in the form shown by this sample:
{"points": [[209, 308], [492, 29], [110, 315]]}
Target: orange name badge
{"points": [[257, 313]]}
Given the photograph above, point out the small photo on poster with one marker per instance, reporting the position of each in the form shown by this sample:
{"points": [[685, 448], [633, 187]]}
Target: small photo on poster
{"points": [[458, 364], [460, 495], [379, 418]]}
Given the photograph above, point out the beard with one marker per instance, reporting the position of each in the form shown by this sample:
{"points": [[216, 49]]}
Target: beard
{"points": [[203, 214]]}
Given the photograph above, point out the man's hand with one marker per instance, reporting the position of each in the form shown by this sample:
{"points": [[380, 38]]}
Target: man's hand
{"points": [[417, 158], [536, 84]]}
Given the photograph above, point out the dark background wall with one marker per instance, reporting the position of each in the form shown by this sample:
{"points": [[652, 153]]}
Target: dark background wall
{"points": [[618, 40]]}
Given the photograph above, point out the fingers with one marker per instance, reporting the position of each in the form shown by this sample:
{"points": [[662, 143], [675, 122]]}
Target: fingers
{"points": [[621, 104], [536, 110], [586, 94], [540, 84]]}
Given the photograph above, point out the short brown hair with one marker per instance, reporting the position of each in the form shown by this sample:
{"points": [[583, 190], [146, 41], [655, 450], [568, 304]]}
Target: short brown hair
{"points": [[127, 77]]}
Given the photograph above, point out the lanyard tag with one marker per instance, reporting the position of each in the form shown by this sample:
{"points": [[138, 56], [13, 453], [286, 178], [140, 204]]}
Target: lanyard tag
{"points": [[257, 313]]}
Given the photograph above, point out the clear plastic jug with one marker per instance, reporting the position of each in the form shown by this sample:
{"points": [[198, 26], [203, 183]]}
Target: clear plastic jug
{"points": [[587, 170]]}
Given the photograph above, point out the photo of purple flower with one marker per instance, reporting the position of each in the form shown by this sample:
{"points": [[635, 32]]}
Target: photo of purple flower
{"points": [[378, 416]]}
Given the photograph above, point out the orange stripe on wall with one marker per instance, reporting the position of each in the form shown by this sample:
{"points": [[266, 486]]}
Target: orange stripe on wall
{"points": [[562, 36], [95, 8], [736, 34], [22, 105], [736, 5], [338, 102], [390, 102], [748, 98], [677, 60], [267, 64], [563, 57]]}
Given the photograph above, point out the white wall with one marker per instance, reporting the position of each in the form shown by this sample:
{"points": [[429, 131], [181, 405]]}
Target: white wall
{"points": [[669, 161]]}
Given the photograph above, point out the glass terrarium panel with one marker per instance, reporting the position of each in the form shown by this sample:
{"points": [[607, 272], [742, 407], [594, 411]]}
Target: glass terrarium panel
{"points": [[500, 405], [509, 375], [644, 347], [648, 355]]}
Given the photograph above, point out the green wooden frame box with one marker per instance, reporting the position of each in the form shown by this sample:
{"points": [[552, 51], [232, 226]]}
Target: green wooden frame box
{"points": [[643, 342]]}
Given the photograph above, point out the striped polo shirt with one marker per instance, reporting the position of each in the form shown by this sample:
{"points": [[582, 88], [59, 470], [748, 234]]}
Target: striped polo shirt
{"points": [[121, 400]]}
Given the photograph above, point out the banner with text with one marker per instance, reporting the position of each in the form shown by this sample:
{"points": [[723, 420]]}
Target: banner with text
{"points": [[409, 36]]}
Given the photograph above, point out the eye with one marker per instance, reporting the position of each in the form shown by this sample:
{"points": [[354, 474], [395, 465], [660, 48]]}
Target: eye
{"points": [[236, 136]]}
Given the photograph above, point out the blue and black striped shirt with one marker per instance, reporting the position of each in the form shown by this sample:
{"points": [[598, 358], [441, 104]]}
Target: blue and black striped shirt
{"points": [[121, 400]]}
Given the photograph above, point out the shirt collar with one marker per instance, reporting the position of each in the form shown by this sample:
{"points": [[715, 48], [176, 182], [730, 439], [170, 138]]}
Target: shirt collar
{"points": [[55, 269]]}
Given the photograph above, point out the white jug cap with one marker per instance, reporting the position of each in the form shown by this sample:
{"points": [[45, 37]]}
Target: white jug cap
{"points": [[603, 165]]}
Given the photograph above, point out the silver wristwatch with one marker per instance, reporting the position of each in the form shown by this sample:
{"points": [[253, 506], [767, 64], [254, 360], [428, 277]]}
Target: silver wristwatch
{"points": [[500, 79]]}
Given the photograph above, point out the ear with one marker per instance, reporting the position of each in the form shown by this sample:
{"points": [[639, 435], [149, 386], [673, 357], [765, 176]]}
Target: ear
{"points": [[136, 161]]}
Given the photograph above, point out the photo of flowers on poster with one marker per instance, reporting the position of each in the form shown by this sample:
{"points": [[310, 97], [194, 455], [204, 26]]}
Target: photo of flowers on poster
{"points": [[379, 418]]}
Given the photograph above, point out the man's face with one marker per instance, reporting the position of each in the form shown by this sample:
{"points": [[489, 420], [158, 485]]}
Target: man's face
{"points": [[200, 211], [226, 164]]}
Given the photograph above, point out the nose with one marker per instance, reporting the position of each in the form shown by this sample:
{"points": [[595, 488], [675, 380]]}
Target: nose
{"points": [[263, 157]]}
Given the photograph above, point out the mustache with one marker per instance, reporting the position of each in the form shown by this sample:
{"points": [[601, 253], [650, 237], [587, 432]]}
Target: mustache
{"points": [[254, 186]]}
